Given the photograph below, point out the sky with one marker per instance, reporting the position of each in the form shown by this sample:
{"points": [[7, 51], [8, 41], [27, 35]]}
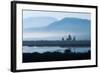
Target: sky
{"points": [[39, 19], [58, 15]]}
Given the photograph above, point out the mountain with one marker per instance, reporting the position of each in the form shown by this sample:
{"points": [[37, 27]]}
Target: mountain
{"points": [[70, 24], [66, 25]]}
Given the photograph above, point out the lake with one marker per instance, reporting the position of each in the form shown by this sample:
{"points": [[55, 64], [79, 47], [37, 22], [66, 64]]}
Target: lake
{"points": [[32, 49]]}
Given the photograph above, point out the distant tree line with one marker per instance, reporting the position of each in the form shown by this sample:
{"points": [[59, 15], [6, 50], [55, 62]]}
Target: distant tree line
{"points": [[69, 38]]}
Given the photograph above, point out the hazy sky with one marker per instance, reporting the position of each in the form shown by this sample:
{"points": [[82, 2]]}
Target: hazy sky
{"points": [[57, 15]]}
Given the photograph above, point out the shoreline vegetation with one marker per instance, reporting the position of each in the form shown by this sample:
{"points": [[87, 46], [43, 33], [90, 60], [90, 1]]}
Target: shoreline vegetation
{"points": [[55, 56]]}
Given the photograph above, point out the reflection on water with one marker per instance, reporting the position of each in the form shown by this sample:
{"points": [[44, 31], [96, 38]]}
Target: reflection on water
{"points": [[27, 49]]}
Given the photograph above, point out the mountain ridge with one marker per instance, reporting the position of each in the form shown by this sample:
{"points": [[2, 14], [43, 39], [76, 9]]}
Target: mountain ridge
{"points": [[66, 24]]}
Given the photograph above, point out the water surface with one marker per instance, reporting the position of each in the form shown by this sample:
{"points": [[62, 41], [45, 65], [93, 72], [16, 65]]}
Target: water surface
{"points": [[32, 49]]}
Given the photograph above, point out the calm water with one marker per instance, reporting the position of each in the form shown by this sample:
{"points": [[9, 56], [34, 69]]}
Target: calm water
{"points": [[27, 49]]}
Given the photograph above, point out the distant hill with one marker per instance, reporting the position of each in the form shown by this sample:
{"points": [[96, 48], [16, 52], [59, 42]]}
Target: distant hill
{"points": [[70, 24], [66, 25]]}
